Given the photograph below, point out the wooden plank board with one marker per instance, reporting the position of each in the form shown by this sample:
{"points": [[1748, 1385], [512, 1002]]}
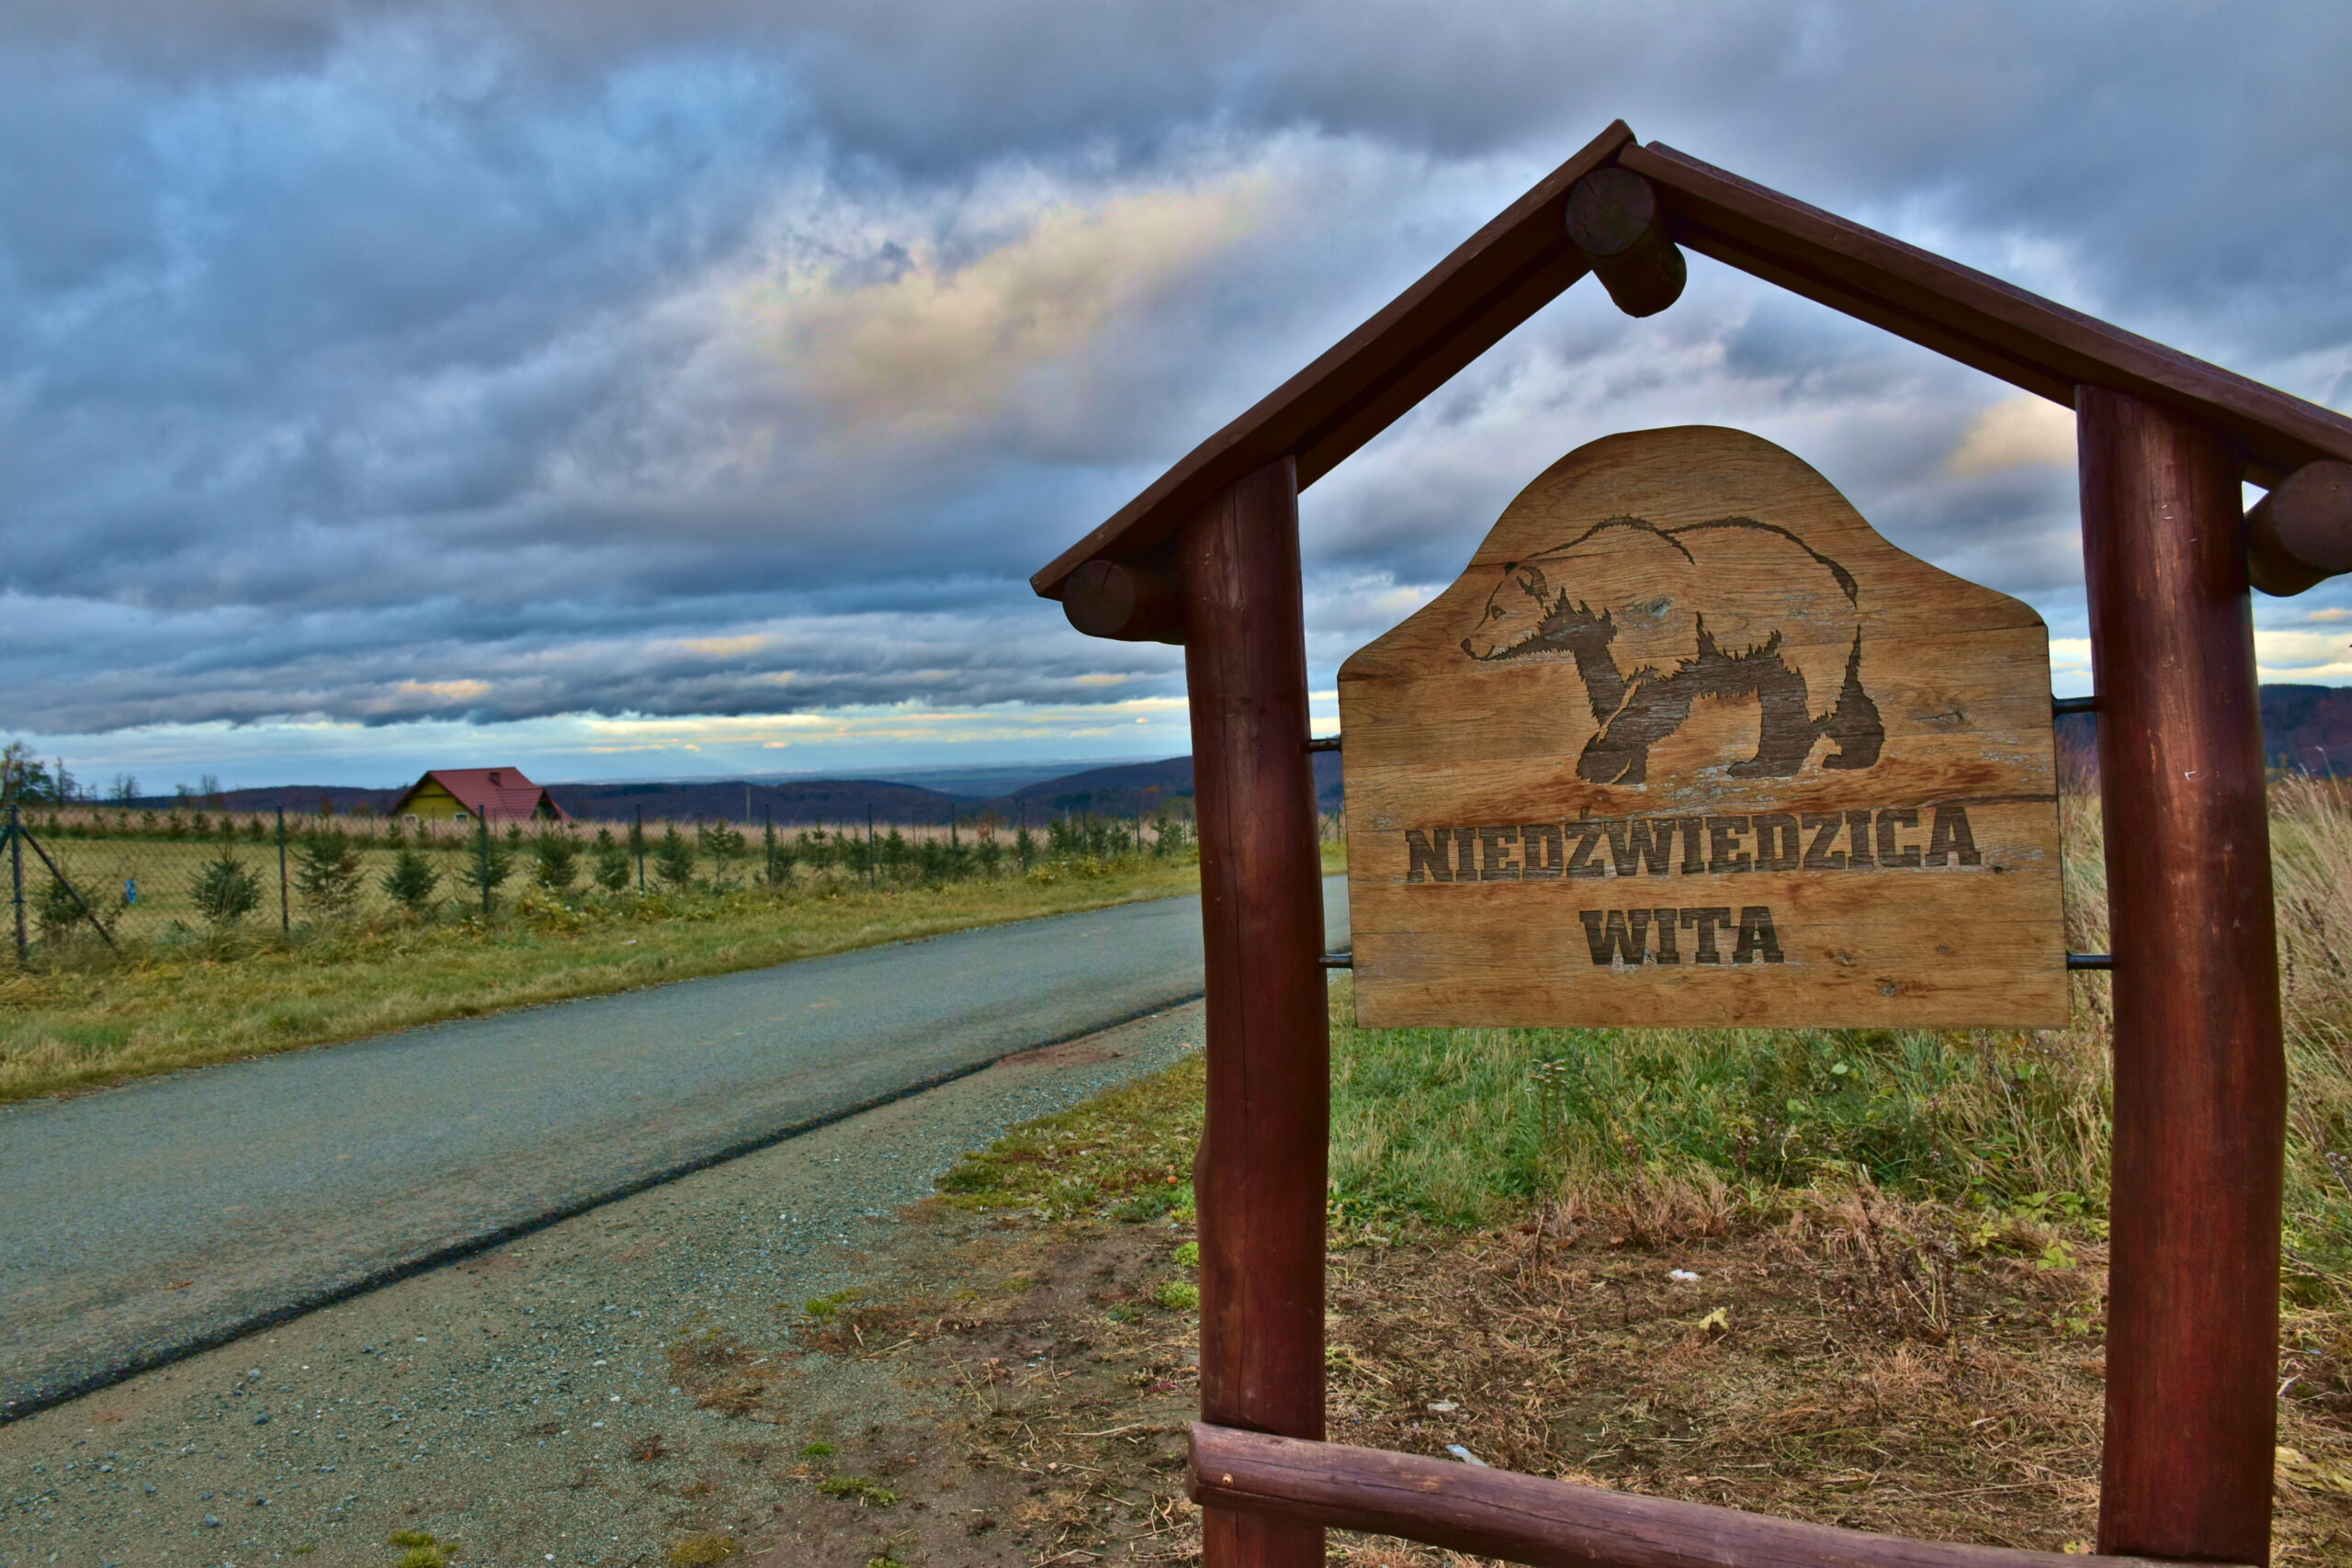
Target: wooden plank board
{"points": [[1690, 743]]}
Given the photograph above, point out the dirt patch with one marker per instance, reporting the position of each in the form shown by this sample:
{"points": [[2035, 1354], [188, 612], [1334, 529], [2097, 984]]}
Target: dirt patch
{"points": [[1856, 1363], [1051, 1388]]}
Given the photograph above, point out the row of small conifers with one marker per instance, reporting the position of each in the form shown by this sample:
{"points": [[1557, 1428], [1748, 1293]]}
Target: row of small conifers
{"points": [[320, 870]]}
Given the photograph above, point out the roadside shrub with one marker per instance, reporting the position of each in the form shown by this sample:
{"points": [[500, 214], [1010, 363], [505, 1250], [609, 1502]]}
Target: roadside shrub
{"points": [[673, 858], [226, 890], [327, 872], [555, 860], [612, 863], [412, 882]]}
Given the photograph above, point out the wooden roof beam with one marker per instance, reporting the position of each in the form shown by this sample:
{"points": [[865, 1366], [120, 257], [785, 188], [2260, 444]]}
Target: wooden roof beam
{"points": [[1457, 310], [1978, 319], [1524, 258]]}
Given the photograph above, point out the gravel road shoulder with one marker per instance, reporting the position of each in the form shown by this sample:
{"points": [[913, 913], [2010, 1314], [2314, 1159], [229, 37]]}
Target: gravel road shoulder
{"points": [[532, 1402]]}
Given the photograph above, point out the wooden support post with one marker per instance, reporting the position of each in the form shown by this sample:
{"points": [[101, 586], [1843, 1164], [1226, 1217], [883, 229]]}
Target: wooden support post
{"points": [[2200, 1063], [1258, 1180]]}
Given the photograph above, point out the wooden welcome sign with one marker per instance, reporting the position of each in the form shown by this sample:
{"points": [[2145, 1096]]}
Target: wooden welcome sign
{"points": [[1690, 743]]}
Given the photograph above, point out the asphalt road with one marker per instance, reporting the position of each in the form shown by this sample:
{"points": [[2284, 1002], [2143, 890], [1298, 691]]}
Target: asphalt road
{"points": [[140, 1224]]}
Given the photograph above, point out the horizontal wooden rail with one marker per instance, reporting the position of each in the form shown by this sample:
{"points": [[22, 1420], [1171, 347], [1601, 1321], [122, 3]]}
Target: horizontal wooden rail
{"points": [[1552, 1524]]}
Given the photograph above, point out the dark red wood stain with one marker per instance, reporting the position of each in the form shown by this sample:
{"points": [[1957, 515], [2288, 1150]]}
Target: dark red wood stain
{"points": [[2201, 1081], [1258, 1179]]}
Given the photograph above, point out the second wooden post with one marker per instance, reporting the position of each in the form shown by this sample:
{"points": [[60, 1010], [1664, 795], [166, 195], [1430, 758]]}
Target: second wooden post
{"points": [[1258, 1181], [2201, 1092]]}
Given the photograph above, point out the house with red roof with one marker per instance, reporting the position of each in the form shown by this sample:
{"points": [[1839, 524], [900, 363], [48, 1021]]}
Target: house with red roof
{"points": [[476, 794]]}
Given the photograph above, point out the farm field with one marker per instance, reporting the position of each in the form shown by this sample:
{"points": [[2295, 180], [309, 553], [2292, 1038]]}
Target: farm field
{"points": [[81, 1015]]}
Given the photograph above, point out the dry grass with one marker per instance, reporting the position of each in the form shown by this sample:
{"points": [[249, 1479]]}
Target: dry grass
{"points": [[1897, 1321], [1863, 1363]]}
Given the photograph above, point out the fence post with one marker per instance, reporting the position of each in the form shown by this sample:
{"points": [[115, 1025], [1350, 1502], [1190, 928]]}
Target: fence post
{"points": [[17, 873], [285, 904], [482, 825], [767, 831], [2201, 1073]]}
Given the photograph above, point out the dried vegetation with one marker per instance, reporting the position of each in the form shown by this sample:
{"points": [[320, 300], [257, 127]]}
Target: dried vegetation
{"points": [[1854, 1277]]}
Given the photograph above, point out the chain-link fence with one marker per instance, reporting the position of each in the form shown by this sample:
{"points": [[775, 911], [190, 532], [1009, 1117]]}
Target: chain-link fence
{"points": [[126, 876]]}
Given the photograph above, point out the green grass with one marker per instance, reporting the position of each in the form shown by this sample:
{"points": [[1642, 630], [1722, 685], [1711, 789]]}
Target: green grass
{"points": [[1458, 1128], [83, 1016], [869, 1494]]}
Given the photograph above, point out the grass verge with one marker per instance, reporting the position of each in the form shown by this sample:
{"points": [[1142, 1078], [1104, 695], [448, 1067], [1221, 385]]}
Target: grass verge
{"points": [[1702, 1265], [1855, 1277], [96, 1019]]}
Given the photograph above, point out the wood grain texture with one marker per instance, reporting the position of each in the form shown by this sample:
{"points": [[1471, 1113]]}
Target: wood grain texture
{"points": [[1554, 1524], [2300, 533], [1258, 1179], [1616, 220], [1124, 601], [1688, 743], [2200, 1071]]}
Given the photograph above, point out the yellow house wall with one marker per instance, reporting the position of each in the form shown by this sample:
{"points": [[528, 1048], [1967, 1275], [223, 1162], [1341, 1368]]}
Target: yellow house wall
{"points": [[429, 803]]}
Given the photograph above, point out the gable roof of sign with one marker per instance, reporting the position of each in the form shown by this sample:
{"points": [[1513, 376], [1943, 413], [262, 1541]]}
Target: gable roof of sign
{"points": [[1524, 259], [495, 794]]}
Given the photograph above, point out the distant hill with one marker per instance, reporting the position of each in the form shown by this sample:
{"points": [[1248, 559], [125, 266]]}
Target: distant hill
{"points": [[303, 798], [2307, 727], [1140, 787], [2304, 729], [799, 801]]}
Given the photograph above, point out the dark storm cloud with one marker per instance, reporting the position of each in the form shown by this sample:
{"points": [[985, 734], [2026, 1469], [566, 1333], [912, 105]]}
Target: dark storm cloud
{"points": [[502, 360]]}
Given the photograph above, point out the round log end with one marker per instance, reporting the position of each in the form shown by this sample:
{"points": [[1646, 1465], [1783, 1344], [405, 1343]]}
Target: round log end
{"points": [[1126, 603], [2300, 533], [1616, 220], [1610, 210]]}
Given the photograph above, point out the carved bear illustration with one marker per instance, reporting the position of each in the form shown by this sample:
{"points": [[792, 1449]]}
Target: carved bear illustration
{"points": [[1657, 619]]}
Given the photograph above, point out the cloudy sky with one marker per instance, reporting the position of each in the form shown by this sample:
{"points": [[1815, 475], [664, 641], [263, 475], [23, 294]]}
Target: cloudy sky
{"points": [[650, 390]]}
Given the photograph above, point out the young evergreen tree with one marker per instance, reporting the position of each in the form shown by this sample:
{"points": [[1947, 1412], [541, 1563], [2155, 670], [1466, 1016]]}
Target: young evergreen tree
{"points": [[484, 864], [555, 860], [673, 857], [612, 863], [326, 872], [226, 890], [412, 882], [723, 844]]}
